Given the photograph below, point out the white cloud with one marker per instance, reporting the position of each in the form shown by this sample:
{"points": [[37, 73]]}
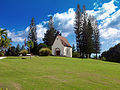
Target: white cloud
{"points": [[20, 36], [102, 42], [103, 12], [15, 37], [40, 31], [109, 18], [110, 33], [64, 22]]}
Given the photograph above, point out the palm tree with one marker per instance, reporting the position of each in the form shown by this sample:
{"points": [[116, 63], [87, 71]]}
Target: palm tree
{"points": [[3, 37], [3, 33], [4, 40]]}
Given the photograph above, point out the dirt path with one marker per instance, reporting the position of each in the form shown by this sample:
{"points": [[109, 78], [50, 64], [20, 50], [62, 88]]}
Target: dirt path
{"points": [[2, 57]]}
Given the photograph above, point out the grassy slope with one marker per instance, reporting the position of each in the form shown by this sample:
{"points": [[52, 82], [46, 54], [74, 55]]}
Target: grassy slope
{"points": [[58, 73]]}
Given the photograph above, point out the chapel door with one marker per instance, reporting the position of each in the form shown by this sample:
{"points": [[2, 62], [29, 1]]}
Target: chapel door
{"points": [[57, 52]]}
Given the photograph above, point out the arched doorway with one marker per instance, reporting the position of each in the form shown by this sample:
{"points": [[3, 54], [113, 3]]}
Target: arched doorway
{"points": [[57, 50]]}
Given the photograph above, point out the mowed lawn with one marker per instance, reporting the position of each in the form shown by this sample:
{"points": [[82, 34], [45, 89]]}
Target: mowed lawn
{"points": [[58, 73]]}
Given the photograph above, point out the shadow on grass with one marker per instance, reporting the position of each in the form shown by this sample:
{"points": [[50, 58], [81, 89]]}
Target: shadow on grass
{"points": [[15, 58]]}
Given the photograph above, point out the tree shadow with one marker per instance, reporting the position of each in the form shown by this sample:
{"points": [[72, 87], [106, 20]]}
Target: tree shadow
{"points": [[16, 58]]}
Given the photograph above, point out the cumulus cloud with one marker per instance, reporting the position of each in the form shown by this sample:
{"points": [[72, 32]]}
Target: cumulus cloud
{"points": [[64, 22], [20, 36], [110, 33], [103, 12], [109, 17], [40, 31], [15, 37]]}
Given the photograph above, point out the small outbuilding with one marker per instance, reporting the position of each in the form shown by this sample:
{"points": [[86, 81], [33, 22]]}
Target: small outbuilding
{"points": [[61, 47]]}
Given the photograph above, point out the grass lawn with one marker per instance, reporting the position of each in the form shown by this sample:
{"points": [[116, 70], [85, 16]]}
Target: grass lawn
{"points": [[58, 73]]}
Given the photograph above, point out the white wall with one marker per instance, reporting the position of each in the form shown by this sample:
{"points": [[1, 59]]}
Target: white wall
{"points": [[68, 51], [57, 44]]}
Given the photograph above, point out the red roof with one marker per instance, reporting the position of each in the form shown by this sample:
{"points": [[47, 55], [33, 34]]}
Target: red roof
{"points": [[64, 41]]}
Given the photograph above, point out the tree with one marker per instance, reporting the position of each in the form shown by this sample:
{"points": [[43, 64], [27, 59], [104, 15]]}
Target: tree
{"points": [[89, 39], [22, 48], [11, 51], [32, 32], [5, 42], [113, 54], [84, 33], [30, 45], [73, 48], [33, 36], [3, 37], [78, 29], [87, 35], [50, 34], [96, 37], [74, 52], [17, 49]]}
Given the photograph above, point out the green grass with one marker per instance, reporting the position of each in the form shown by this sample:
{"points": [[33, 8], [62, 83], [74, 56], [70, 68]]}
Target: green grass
{"points": [[58, 73]]}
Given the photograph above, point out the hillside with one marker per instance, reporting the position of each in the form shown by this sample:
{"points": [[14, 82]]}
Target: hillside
{"points": [[58, 73]]}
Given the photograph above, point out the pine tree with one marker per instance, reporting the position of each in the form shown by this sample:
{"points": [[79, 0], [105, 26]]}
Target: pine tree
{"points": [[84, 33], [33, 36], [22, 48], [18, 49], [50, 34], [96, 39], [32, 32], [73, 48], [89, 40], [78, 29]]}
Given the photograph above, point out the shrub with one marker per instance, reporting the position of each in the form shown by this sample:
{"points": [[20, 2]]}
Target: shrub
{"points": [[75, 54], [45, 52], [24, 52], [1, 53]]}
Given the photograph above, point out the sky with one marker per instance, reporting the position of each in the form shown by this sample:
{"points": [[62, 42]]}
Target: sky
{"points": [[16, 15]]}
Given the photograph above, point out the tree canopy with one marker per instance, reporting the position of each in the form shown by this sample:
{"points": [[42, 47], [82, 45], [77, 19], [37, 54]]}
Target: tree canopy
{"points": [[113, 54]]}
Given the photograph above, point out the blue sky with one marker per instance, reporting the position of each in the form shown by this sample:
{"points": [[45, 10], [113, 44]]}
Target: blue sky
{"points": [[16, 15]]}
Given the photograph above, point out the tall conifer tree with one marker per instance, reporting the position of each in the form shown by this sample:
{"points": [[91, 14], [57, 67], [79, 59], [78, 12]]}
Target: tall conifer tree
{"points": [[96, 39], [78, 29], [89, 40], [18, 49], [50, 34], [84, 34], [33, 37], [32, 32]]}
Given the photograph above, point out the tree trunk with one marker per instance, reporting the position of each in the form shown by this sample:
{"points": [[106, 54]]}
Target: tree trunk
{"points": [[96, 55], [89, 55]]}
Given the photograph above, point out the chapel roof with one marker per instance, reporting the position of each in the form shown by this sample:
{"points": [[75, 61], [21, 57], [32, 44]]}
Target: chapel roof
{"points": [[64, 41]]}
